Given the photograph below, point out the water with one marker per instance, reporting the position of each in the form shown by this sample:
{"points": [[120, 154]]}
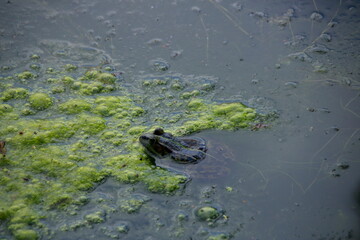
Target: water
{"points": [[295, 179]]}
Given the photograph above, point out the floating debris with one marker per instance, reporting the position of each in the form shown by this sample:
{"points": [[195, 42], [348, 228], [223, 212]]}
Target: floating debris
{"points": [[326, 37], [316, 16], [159, 65], [259, 14], [176, 54], [318, 48], [343, 166], [292, 84], [347, 81], [237, 6], [324, 110], [285, 19], [339, 167], [332, 24], [154, 42], [196, 9], [301, 56], [298, 39], [319, 67], [311, 109]]}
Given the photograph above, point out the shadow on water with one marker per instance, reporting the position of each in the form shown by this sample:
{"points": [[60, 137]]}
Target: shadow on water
{"points": [[296, 178]]}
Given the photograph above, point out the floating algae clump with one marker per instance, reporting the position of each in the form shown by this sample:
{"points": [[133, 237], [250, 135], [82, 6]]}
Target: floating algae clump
{"points": [[5, 108], [219, 236], [110, 105], [106, 78], [88, 131], [74, 106], [97, 75], [196, 104], [25, 234], [207, 213], [96, 217], [70, 67], [40, 101], [26, 75], [14, 93], [229, 116]]}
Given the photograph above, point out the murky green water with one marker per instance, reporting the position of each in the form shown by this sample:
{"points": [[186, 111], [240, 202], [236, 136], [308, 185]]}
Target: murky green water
{"points": [[296, 178]]}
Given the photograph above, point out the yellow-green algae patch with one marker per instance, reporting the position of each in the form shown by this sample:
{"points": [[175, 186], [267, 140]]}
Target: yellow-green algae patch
{"points": [[226, 116], [74, 106], [25, 234], [5, 108], [40, 101], [14, 93], [26, 75], [70, 67], [97, 75], [113, 105], [70, 145]]}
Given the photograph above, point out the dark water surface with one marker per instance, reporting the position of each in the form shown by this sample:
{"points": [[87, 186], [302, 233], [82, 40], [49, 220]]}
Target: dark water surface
{"points": [[296, 179]]}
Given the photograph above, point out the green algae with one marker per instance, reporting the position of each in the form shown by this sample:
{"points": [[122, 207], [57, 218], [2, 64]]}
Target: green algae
{"points": [[106, 78], [92, 88], [83, 178], [66, 144], [5, 108], [26, 234], [122, 228], [227, 116], [26, 75], [207, 213], [187, 95], [35, 57], [96, 75], [74, 106], [196, 104], [219, 236], [133, 203], [14, 93], [96, 217], [23, 215], [110, 105], [5, 68], [50, 70], [35, 67], [58, 89], [70, 67], [131, 206], [136, 130], [67, 80], [40, 101]]}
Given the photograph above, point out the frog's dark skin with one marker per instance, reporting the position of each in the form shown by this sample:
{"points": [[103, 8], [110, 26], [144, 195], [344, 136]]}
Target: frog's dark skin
{"points": [[160, 144]]}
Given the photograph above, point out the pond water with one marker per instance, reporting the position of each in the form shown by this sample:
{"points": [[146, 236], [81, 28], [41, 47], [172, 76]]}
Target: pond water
{"points": [[294, 177]]}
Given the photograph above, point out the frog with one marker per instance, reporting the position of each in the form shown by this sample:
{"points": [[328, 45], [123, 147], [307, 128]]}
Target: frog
{"points": [[188, 156], [161, 144]]}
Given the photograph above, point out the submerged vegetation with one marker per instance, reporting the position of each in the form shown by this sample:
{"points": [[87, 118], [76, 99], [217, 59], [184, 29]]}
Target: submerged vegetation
{"points": [[68, 129]]}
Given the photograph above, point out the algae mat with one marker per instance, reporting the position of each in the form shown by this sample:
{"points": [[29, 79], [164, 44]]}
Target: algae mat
{"points": [[70, 120]]}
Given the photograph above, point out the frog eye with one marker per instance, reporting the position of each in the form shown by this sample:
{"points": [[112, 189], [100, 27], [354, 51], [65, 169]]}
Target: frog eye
{"points": [[159, 131]]}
